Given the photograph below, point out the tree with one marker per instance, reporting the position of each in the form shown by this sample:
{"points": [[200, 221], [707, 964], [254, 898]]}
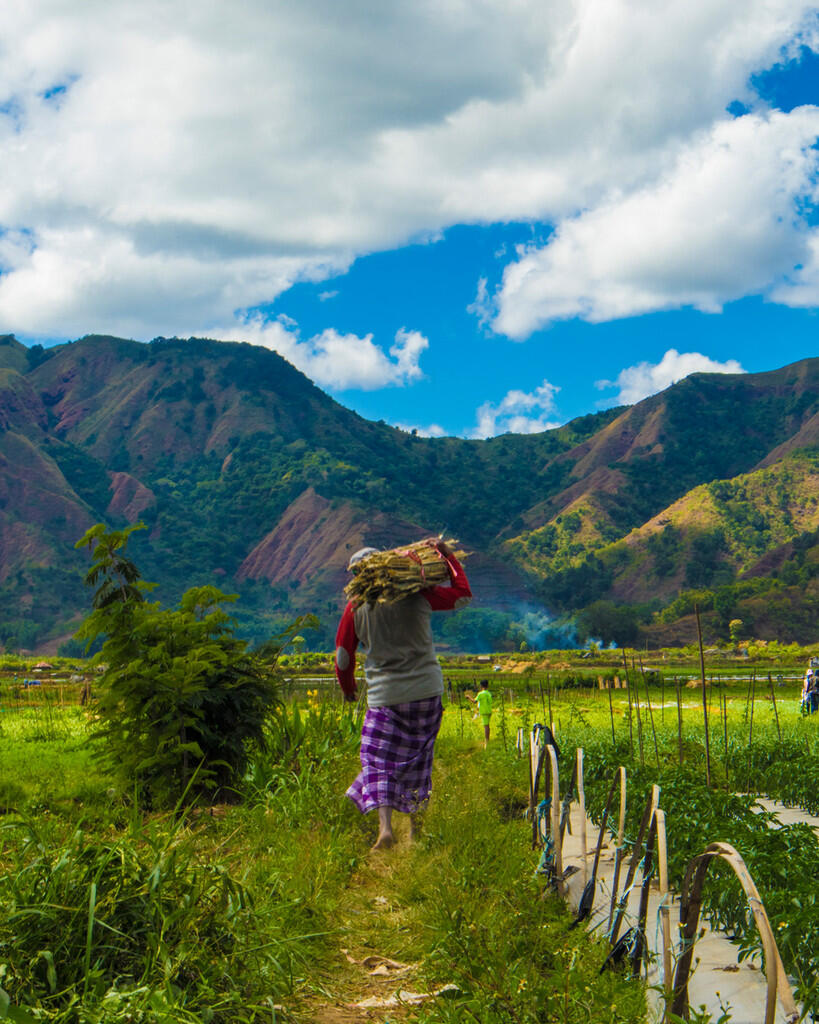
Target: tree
{"points": [[182, 701], [735, 627], [609, 622]]}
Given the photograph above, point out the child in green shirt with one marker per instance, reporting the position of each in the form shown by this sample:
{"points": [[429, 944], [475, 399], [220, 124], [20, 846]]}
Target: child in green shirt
{"points": [[483, 700]]}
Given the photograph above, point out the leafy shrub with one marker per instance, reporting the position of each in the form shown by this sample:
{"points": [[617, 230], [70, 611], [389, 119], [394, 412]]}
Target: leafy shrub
{"points": [[181, 697]]}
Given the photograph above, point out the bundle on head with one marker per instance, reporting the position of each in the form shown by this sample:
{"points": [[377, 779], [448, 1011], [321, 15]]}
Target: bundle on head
{"points": [[388, 576]]}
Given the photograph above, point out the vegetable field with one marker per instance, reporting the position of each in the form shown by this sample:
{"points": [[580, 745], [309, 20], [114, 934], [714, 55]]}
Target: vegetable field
{"points": [[269, 908]]}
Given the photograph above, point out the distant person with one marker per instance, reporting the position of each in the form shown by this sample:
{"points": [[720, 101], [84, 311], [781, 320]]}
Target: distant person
{"points": [[811, 690], [404, 688], [483, 701]]}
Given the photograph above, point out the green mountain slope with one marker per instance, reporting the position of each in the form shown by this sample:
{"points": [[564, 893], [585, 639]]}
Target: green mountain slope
{"points": [[249, 476]]}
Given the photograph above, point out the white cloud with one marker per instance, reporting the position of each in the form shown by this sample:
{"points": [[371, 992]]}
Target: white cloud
{"points": [[482, 307], [518, 412], [723, 222], [205, 157], [337, 361], [431, 430], [644, 379], [801, 288]]}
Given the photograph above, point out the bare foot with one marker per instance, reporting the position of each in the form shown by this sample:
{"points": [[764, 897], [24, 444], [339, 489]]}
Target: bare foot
{"points": [[384, 842]]}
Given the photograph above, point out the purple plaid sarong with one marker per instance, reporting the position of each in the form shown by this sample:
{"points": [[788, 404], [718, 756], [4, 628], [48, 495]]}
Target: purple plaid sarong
{"points": [[397, 744]]}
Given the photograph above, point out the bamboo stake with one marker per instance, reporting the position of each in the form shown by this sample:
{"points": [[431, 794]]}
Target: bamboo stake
{"points": [[751, 735], [776, 713], [581, 799], [650, 713], [619, 851], [628, 695], [679, 720], [636, 857], [639, 712], [665, 909], [555, 816], [542, 698], [611, 716], [704, 700], [748, 695], [662, 698], [549, 694], [534, 759]]}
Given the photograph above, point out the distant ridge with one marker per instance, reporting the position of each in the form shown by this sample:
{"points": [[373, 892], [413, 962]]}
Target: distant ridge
{"points": [[249, 476]]}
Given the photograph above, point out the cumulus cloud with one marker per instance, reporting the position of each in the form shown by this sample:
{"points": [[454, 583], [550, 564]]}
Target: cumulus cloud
{"points": [[644, 379], [170, 166], [723, 222], [518, 412], [337, 361], [801, 287], [431, 430]]}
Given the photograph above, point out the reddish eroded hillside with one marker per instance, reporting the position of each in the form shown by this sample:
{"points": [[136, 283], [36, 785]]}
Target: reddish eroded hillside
{"points": [[314, 539], [54, 516], [177, 398], [21, 408], [639, 431], [129, 497]]}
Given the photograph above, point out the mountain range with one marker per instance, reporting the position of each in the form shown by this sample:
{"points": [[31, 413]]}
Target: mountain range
{"points": [[248, 476]]}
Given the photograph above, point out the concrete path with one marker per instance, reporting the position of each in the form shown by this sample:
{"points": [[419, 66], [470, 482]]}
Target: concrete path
{"points": [[788, 815], [717, 979]]}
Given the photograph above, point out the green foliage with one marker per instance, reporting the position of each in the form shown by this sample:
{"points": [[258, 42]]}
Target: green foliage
{"points": [[182, 700], [87, 476], [781, 859], [609, 622]]}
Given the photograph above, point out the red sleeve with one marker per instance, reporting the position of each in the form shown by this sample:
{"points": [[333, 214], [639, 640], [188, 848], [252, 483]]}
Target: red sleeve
{"points": [[346, 643], [456, 595]]}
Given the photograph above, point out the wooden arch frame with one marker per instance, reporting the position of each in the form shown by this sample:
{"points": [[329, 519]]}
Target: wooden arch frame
{"points": [[690, 905]]}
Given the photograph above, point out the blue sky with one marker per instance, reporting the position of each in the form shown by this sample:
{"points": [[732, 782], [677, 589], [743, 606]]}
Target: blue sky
{"points": [[461, 217]]}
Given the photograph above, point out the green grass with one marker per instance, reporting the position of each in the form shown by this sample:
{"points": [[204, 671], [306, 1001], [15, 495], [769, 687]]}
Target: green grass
{"points": [[110, 915]]}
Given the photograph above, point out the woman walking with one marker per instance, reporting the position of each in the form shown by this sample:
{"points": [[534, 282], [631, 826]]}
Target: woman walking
{"points": [[404, 687]]}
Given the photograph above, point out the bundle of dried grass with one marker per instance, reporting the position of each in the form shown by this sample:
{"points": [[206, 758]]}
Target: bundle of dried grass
{"points": [[388, 576]]}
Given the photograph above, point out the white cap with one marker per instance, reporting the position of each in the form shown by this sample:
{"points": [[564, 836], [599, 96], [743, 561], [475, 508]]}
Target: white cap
{"points": [[360, 555]]}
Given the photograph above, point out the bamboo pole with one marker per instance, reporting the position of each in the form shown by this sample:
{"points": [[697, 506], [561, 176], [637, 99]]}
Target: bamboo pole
{"points": [[776, 713], [555, 814], [534, 761], [619, 850], [748, 695], [751, 735], [704, 700], [628, 696], [611, 716], [639, 713], [650, 713], [690, 903], [679, 721], [665, 909], [581, 799], [636, 857]]}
